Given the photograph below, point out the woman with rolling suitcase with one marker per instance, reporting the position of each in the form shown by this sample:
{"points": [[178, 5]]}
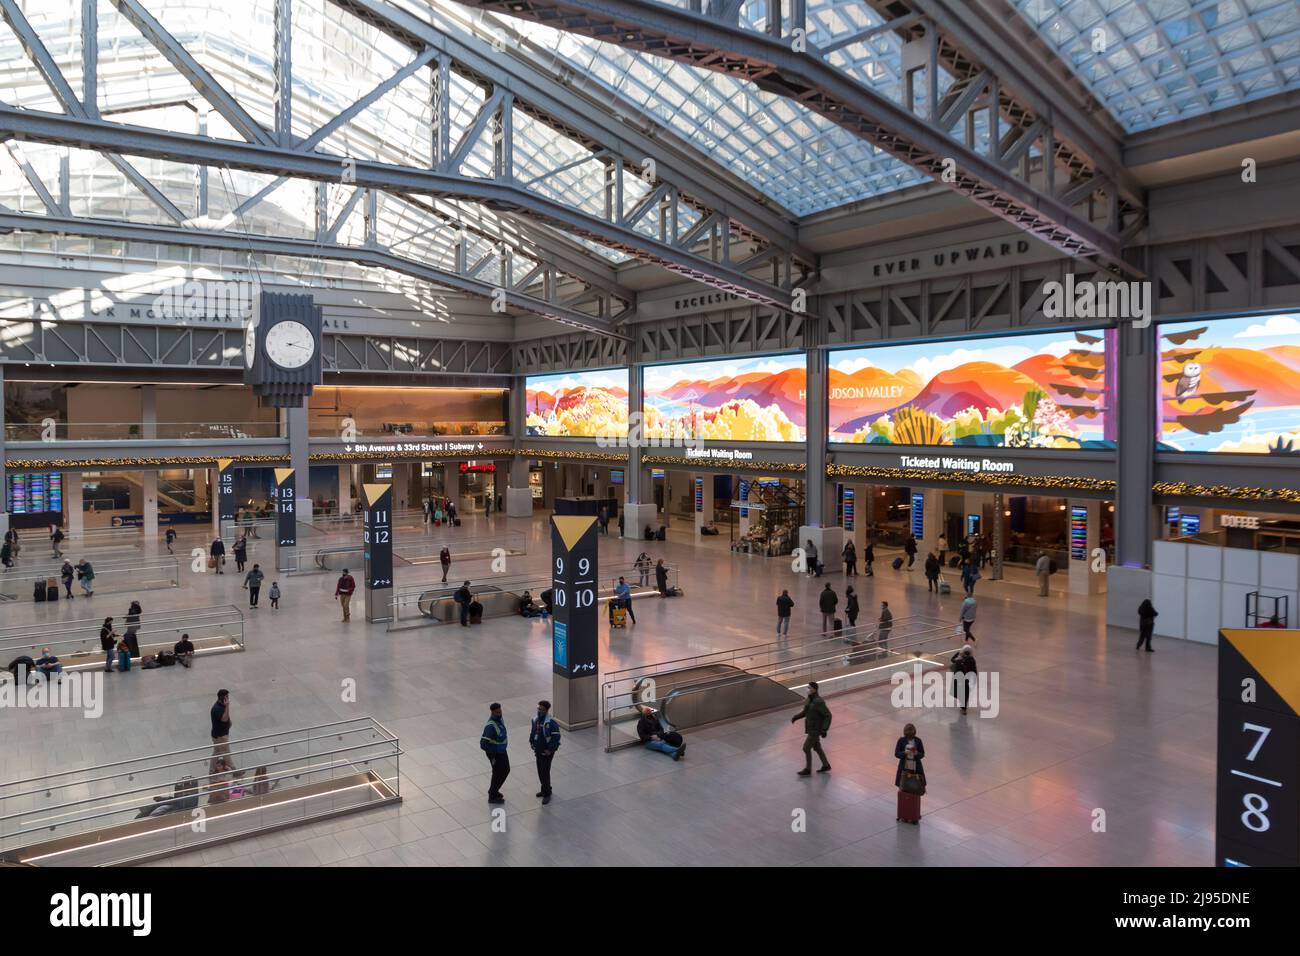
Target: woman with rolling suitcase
{"points": [[910, 778]]}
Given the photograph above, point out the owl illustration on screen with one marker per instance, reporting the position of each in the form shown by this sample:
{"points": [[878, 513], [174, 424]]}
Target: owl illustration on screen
{"points": [[1189, 381]]}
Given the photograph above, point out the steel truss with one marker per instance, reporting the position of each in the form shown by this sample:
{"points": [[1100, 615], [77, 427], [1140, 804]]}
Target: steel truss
{"points": [[673, 226], [1056, 202]]}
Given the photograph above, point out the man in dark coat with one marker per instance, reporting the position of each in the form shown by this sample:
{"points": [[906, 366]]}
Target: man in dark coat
{"points": [[816, 718]]}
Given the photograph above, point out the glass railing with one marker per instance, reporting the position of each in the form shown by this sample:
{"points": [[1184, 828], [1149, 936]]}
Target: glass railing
{"points": [[157, 805], [336, 550], [398, 430], [135, 431], [110, 577]]}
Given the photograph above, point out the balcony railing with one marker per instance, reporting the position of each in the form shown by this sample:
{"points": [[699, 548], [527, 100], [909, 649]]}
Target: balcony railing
{"points": [[390, 431], [136, 431]]}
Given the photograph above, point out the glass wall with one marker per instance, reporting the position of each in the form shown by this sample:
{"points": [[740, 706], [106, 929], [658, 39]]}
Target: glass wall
{"points": [[373, 412]]}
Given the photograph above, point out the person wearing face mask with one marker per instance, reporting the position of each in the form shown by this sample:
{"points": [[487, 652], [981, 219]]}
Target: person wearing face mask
{"points": [[544, 738]]}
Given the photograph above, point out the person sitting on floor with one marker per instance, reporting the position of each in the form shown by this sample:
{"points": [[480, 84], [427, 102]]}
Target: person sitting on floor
{"points": [[475, 611], [651, 731], [48, 664], [527, 607], [548, 600], [184, 651]]}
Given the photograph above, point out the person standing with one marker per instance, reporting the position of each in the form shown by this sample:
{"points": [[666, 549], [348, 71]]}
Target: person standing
{"points": [[169, 537], [7, 554], [942, 545], [910, 776], [221, 721], [784, 605], [642, 565], [604, 520], [661, 577], [132, 635], [86, 575], [909, 548], [968, 615], [816, 718], [108, 643], [850, 555], [343, 592], [493, 743], [463, 597], [828, 600], [1147, 615], [884, 625], [1043, 568], [851, 606], [810, 555], [869, 558], [932, 568], [624, 593], [444, 558], [544, 738], [963, 675], [217, 552], [241, 552], [68, 572], [253, 581], [56, 539], [274, 595]]}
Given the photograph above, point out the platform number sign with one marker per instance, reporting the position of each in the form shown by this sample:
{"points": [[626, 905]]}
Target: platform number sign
{"points": [[377, 540], [285, 497], [575, 580], [226, 505], [1258, 813]]}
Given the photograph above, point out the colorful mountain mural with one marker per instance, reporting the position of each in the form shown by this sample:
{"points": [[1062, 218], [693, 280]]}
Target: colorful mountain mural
{"points": [[1231, 386], [759, 399], [1046, 391], [577, 405]]}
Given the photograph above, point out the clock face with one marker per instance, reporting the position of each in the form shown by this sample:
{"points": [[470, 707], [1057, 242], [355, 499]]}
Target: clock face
{"points": [[290, 344]]}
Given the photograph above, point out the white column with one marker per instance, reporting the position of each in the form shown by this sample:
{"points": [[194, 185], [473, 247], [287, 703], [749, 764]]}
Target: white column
{"points": [[74, 519], [934, 524], [702, 498], [345, 489], [861, 509], [451, 483], [214, 480], [1083, 580], [149, 491], [401, 486], [519, 496]]}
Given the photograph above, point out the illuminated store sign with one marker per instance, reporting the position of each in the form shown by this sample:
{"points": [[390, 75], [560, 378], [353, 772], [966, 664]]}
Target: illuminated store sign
{"points": [[416, 447], [720, 454], [1249, 522], [957, 464]]}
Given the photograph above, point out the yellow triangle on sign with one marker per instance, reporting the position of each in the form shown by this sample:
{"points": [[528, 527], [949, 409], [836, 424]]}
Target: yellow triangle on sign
{"points": [[373, 493], [224, 463], [572, 527], [281, 474], [1273, 652]]}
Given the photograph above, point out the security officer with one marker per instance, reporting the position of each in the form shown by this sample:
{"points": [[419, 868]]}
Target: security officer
{"points": [[544, 738], [493, 743]]}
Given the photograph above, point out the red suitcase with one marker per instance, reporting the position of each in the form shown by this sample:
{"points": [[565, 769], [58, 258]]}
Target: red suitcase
{"points": [[909, 807]]}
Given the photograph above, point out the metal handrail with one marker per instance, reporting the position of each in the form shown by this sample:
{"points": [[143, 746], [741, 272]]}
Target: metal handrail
{"points": [[107, 567], [157, 617]]}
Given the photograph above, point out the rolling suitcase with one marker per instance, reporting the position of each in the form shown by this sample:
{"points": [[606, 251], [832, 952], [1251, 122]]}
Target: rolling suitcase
{"points": [[909, 807], [38, 593], [944, 586], [51, 589], [839, 625], [455, 522], [898, 563]]}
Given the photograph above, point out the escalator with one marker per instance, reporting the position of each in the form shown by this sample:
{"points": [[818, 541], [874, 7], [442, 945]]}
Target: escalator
{"points": [[698, 696]]}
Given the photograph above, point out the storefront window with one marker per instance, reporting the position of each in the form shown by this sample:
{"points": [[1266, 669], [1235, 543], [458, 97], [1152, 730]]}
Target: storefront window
{"points": [[423, 412]]}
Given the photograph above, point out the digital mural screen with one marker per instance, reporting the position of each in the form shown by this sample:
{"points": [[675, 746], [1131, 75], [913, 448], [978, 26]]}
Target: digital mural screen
{"points": [[736, 399], [577, 404], [1230, 386], [1049, 390]]}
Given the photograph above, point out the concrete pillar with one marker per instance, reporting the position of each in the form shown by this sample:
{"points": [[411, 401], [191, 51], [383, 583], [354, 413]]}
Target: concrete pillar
{"points": [[74, 519], [934, 524], [1082, 579], [299, 461], [214, 479], [519, 496], [702, 490], [862, 507], [345, 489], [451, 483], [148, 412], [1129, 386], [401, 486], [149, 490]]}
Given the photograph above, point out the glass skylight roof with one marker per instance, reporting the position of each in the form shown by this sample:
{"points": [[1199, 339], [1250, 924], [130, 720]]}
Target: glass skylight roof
{"points": [[1152, 62]]}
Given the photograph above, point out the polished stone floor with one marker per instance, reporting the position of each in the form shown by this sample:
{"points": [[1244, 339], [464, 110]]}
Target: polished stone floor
{"points": [[1086, 724]]}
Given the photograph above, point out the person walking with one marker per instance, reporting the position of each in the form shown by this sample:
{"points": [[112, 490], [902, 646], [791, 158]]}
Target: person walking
{"points": [[869, 558], [642, 564], [493, 743], [544, 738], [241, 553], [221, 722], [274, 595], [963, 671], [910, 776], [932, 568], [828, 600], [343, 592], [604, 520], [7, 555], [884, 625], [661, 577], [217, 552], [463, 596], [86, 575], [1147, 615], [970, 573], [108, 640], [968, 615], [169, 538], [444, 558], [56, 539], [253, 581], [1043, 568], [909, 548], [816, 718], [68, 572], [623, 593], [851, 606], [784, 605], [850, 555], [942, 545]]}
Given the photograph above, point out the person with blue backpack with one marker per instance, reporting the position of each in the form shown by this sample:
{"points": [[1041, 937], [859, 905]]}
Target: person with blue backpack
{"points": [[544, 738]]}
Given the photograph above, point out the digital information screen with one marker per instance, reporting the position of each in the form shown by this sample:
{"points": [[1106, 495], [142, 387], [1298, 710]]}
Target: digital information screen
{"points": [[918, 515], [699, 494], [849, 507], [34, 493], [1078, 534]]}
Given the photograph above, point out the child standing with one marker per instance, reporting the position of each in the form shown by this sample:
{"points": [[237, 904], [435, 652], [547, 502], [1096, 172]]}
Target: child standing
{"points": [[274, 595]]}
